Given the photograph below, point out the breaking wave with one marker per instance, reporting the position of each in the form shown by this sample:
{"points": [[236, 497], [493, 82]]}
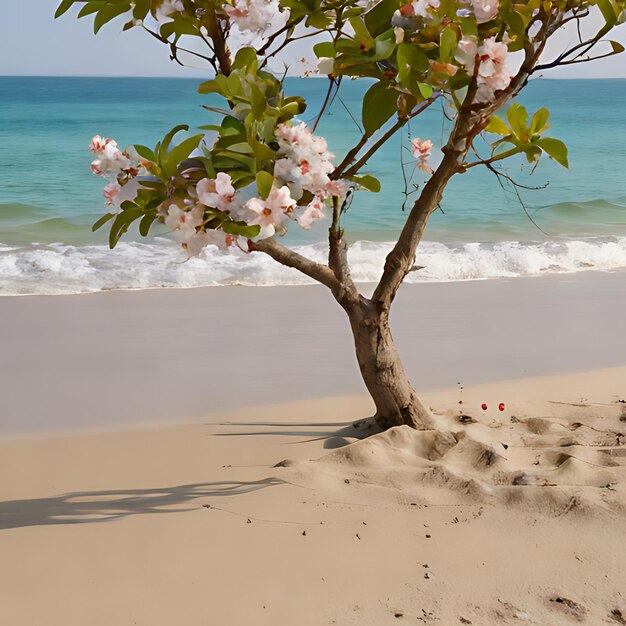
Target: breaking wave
{"points": [[63, 269]]}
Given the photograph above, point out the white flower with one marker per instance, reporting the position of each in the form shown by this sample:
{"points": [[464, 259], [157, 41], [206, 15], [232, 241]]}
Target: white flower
{"points": [[217, 193], [326, 65], [110, 160], [271, 214], [423, 8], [313, 211], [485, 10], [168, 8], [255, 16], [399, 33], [184, 222]]}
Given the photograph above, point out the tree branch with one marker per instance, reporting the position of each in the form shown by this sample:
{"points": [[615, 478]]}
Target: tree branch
{"points": [[317, 271]]}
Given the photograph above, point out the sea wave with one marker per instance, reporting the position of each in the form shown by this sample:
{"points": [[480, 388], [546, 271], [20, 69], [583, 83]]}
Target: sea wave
{"points": [[64, 269]]}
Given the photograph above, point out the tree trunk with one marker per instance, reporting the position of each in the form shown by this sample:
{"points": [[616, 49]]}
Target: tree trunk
{"points": [[396, 402]]}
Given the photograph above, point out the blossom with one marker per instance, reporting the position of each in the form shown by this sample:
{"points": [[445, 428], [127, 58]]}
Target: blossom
{"points": [[313, 211], [110, 160], [485, 10], [422, 8], [420, 149], [493, 74], [254, 16], [168, 8], [217, 193], [326, 65], [184, 222], [305, 162], [270, 214]]}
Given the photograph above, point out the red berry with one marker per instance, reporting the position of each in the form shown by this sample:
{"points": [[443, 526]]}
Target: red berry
{"points": [[501, 406], [483, 407]]}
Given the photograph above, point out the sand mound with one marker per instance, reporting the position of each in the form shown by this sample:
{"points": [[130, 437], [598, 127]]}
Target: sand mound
{"points": [[553, 465]]}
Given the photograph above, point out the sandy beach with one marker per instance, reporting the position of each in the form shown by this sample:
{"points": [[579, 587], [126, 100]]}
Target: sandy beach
{"points": [[517, 518], [158, 468]]}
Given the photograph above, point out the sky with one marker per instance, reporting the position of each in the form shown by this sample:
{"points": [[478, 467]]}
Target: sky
{"points": [[34, 44]]}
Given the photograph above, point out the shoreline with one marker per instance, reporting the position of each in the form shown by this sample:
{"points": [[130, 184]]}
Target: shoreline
{"points": [[163, 352]]}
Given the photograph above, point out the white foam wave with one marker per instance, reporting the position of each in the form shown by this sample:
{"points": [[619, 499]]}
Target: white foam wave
{"points": [[60, 268]]}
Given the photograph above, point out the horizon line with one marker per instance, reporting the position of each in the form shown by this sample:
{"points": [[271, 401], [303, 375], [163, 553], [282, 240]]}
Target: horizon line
{"points": [[209, 76]]}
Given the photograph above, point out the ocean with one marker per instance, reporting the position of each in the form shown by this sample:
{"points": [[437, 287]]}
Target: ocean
{"points": [[49, 199]]}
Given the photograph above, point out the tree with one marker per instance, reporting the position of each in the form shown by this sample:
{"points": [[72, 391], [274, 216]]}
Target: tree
{"points": [[260, 170]]}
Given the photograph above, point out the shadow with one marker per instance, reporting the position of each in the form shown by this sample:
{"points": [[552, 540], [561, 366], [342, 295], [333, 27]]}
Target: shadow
{"points": [[101, 506], [308, 432]]}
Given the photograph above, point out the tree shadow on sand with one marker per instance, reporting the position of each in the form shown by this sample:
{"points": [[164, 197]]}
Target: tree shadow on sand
{"points": [[308, 432], [101, 506]]}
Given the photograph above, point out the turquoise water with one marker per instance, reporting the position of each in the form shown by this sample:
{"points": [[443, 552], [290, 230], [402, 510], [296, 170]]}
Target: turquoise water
{"points": [[49, 198]]}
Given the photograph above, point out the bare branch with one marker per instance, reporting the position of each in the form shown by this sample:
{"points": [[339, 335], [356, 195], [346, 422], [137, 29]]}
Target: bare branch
{"points": [[317, 271]]}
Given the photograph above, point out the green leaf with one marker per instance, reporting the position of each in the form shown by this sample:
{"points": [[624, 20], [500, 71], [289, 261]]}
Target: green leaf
{"points": [[555, 149], [63, 8], [379, 104], [324, 49], [447, 45], [377, 18], [497, 126], [264, 182], [245, 58], [180, 153], [425, 90], [239, 228], [413, 56], [539, 122], [102, 221], [91, 7], [167, 140], [107, 13], [518, 120], [367, 182], [617, 47], [146, 222], [145, 152]]}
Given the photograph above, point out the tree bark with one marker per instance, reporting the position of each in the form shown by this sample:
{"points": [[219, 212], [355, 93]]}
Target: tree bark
{"points": [[396, 402]]}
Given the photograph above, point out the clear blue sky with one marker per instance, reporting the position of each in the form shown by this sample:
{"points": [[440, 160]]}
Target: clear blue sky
{"points": [[33, 43]]}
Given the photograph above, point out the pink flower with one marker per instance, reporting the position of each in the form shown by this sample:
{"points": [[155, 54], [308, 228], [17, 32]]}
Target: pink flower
{"points": [[110, 191], [493, 74], [313, 211], [336, 188], [485, 10], [98, 143], [271, 214], [217, 193], [421, 149]]}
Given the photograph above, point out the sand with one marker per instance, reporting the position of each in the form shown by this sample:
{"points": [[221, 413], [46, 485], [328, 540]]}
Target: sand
{"points": [[96, 360], [504, 517]]}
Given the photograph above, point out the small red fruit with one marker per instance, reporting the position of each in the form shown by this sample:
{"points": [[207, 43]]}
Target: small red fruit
{"points": [[483, 407], [501, 406]]}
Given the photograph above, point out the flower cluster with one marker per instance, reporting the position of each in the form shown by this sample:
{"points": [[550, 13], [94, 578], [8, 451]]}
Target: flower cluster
{"points": [[304, 165], [301, 173], [493, 74], [120, 167], [421, 149], [255, 16]]}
